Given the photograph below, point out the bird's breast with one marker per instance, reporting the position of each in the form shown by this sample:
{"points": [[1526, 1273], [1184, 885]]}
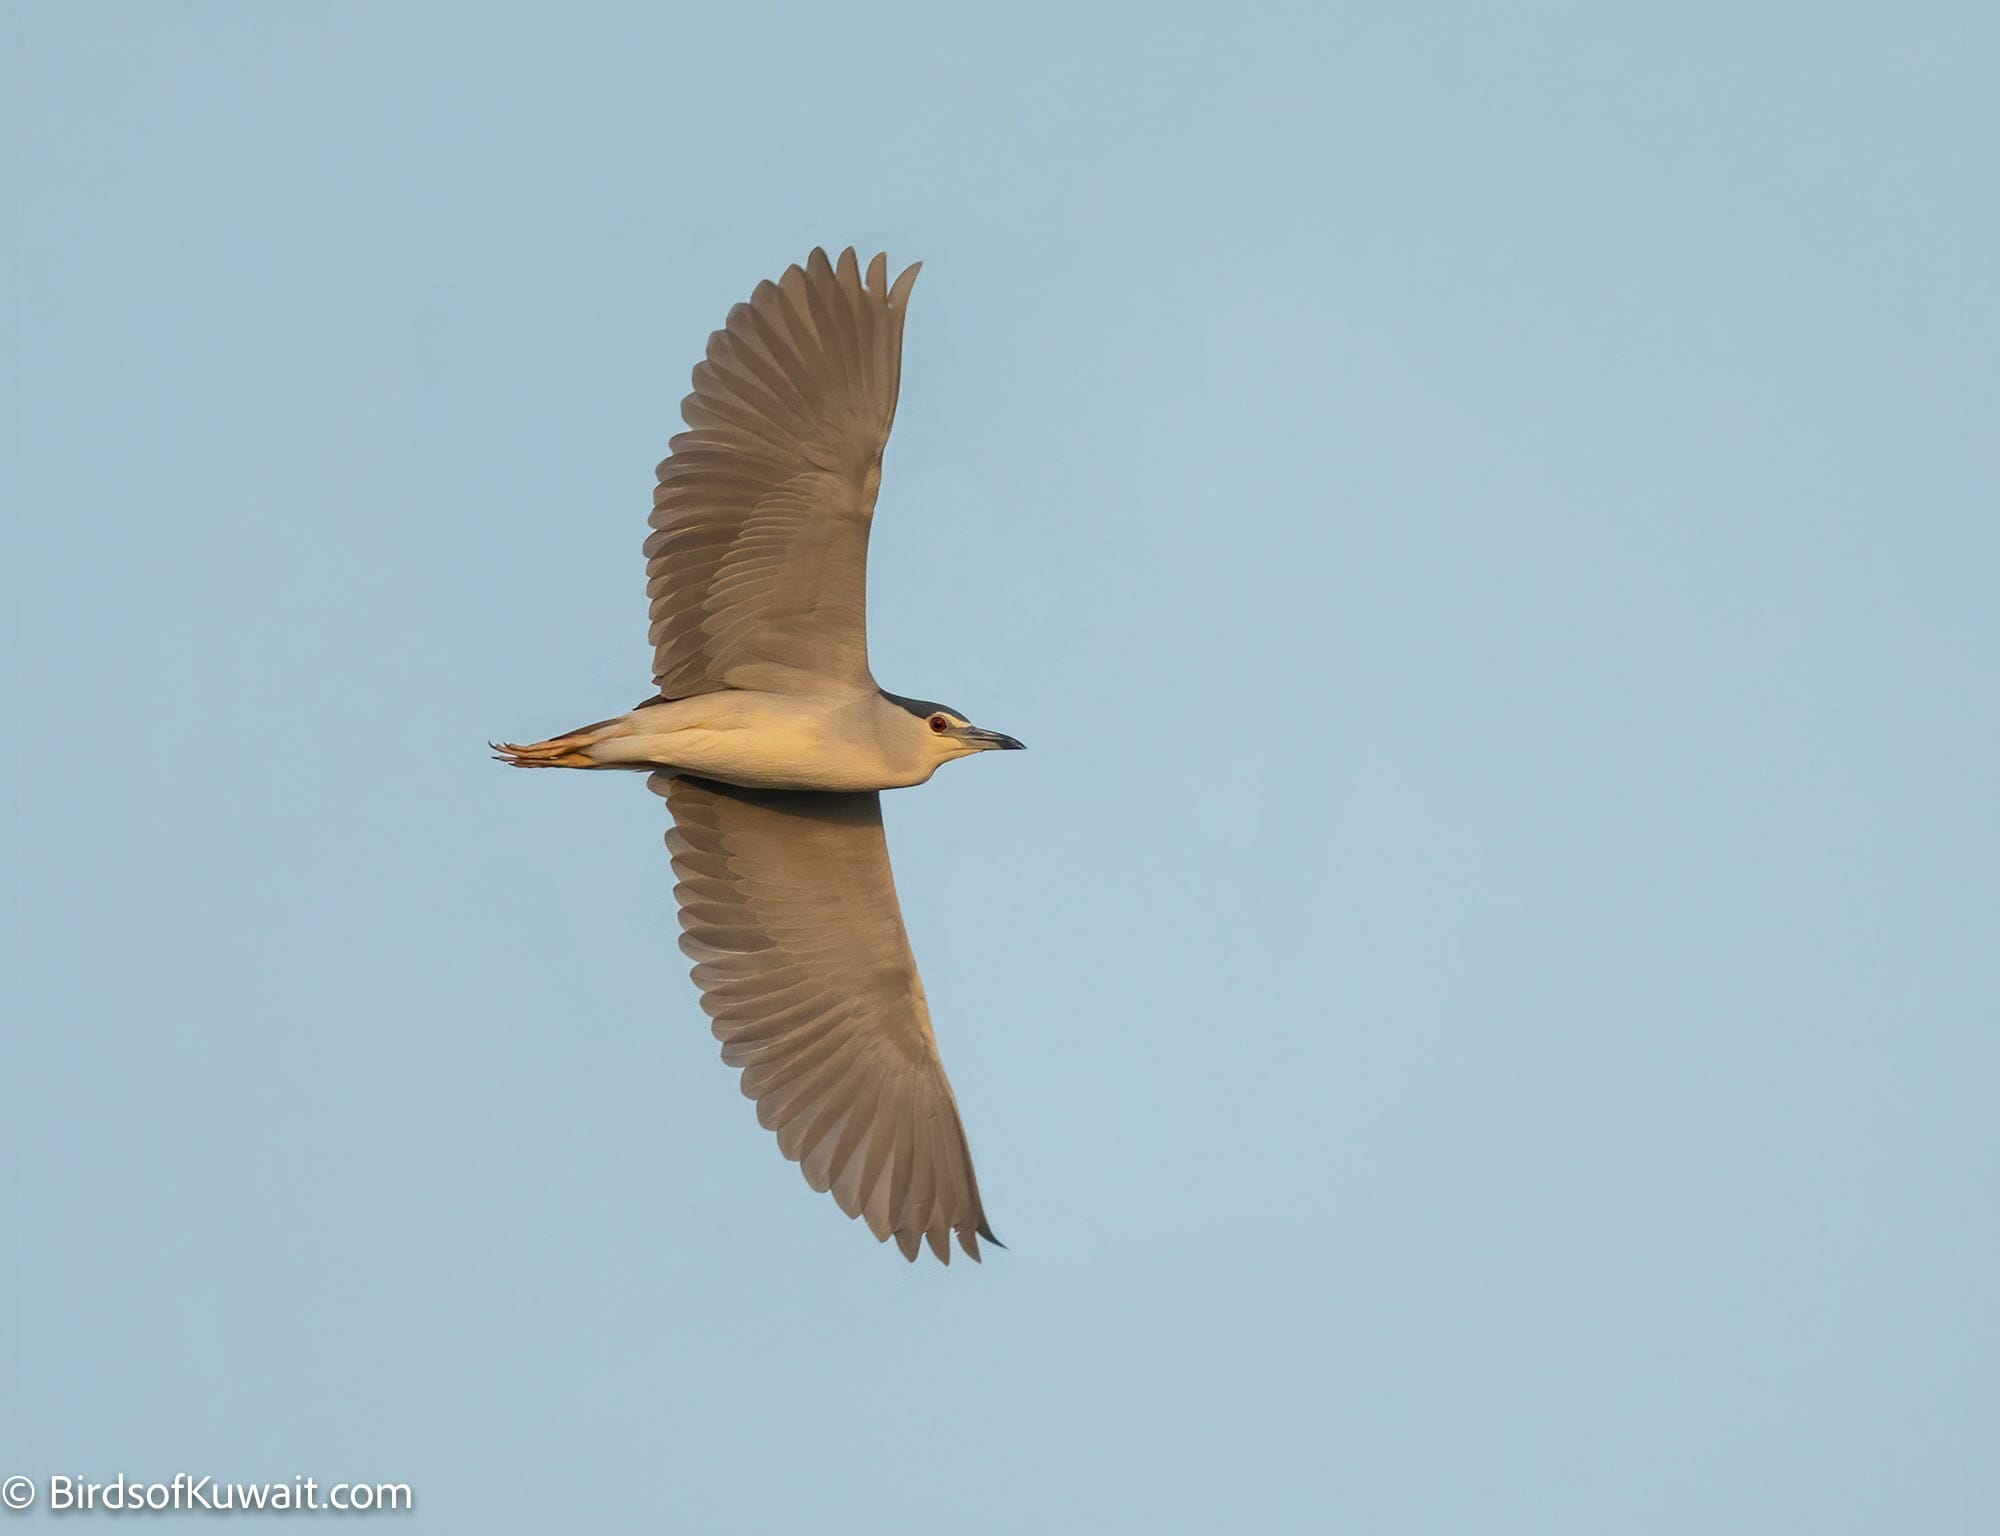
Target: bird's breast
{"points": [[761, 741]]}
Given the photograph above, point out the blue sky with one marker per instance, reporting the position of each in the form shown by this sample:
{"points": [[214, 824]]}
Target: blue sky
{"points": [[1478, 1010]]}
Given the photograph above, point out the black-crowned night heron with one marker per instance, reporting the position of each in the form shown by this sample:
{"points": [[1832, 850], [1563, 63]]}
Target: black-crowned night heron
{"points": [[770, 739]]}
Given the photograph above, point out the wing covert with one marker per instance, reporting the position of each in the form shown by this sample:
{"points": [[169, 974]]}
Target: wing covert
{"points": [[788, 909], [757, 566]]}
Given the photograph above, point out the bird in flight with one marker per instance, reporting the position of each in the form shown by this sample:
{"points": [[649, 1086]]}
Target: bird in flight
{"points": [[770, 741]]}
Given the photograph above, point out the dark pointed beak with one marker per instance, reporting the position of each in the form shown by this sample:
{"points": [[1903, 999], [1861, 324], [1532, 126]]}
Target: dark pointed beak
{"points": [[990, 741]]}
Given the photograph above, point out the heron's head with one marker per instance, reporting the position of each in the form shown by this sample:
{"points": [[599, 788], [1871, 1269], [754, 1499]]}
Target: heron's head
{"points": [[945, 733]]}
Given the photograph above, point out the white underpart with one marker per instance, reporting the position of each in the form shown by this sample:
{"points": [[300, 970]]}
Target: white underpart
{"points": [[778, 741]]}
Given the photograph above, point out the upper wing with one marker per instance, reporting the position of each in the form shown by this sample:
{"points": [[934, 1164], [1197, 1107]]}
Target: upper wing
{"points": [[789, 911], [759, 568]]}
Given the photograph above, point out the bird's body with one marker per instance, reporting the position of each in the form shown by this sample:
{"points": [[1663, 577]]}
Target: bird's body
{"points": [[770, 741], [839, 740]]}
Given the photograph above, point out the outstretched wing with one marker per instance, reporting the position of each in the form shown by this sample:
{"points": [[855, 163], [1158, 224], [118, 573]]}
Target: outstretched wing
{"points": [[758, 568], [789, 912]]}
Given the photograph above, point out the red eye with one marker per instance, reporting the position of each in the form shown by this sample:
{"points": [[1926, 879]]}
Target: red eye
{"points": [[940, 724]]}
